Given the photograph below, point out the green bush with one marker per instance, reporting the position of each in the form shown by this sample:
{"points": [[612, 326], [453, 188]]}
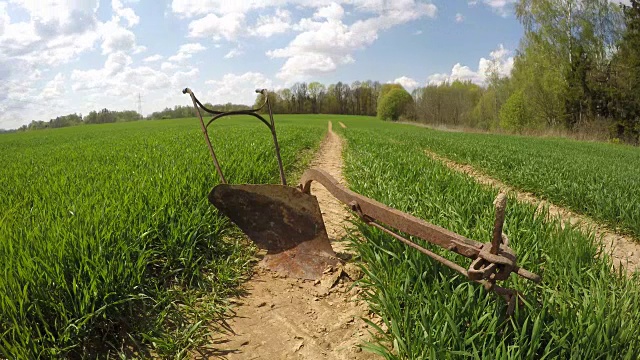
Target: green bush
{"points": [[513, 114], [394, 104]]}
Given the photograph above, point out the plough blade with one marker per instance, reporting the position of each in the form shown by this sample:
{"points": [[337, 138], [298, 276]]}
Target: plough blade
{"points": [[282, 220]]}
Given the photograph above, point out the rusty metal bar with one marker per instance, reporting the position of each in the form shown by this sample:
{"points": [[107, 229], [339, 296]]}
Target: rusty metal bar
{"points": [[429, 253], [491, 261], [500, 204], [206, 133], [275, 138], [394, 218]]}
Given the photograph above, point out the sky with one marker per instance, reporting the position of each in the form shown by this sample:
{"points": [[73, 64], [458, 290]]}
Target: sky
{"points": [[72, 56]]}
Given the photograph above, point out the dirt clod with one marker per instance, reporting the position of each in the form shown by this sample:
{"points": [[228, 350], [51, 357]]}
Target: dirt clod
{"points": [[298, 346], [353, 271]]}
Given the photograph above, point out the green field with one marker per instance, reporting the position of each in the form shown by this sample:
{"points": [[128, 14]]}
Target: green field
{"points": [[109, 247], [432, 312], [107, 240], [596, 179]]}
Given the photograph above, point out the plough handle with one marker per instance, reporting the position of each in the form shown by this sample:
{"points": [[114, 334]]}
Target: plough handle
{"points": [[394, 218], [251, 112], [491, 261]]}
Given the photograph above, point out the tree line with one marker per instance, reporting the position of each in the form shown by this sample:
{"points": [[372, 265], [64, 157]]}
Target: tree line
{"points": [[359, 98], [577, 69], [105, 116], [179, 111], [94, 117]]}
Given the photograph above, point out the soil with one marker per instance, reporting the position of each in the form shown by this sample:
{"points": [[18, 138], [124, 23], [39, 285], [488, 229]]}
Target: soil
{"points": [[624, 250], [285, 318]]}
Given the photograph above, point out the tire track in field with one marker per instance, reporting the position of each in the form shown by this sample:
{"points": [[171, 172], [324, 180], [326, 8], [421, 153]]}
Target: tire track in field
{"points": [[285, 318], [624, 250]]}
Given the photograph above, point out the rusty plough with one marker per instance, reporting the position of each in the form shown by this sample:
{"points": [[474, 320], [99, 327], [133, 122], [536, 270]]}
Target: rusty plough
{"points": [[286, 221]]}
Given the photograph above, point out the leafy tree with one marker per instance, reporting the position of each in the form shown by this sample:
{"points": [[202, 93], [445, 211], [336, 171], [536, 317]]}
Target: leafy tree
{"points": [[447, 103], [625, 99], [396, 103], [514, 115], [566, 44], [317, 93], [386, 88], [274, 100]]}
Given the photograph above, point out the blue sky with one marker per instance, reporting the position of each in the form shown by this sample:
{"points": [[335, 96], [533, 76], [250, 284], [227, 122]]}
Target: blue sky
{"points": [[65, 56]]}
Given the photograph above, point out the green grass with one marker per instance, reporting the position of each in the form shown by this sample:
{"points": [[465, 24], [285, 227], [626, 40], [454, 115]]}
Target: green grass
{"points": [[107, 243], [581, 310], [597, 179]]}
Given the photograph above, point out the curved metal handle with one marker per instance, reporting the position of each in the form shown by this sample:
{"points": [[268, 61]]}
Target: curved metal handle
{"points": [[251, 112]]}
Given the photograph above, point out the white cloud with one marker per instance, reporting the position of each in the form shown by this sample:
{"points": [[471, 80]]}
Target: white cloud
{"points": [[459, 18], [418, 32], [56, 17], [324, 41], [165, 66], [118, 79], [126, 13], [228, 26], [153, 58], [267, 26], [332, 11], [4, 17], [191, 48], [116, 38], [499, 60], [238, 89], [499, 53], [186, 51], [43, 35], [182, 79], [116, 63], [406, 82], [54, 33], [54, 88], [324, 45], [234, 53], [191, 8], [501, 7]]}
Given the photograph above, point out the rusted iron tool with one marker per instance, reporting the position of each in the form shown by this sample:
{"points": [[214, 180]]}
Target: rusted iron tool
{"points": [[287, 222]]}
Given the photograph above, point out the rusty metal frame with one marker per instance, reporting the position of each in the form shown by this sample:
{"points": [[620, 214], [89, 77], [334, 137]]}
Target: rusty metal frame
{"points": [[490, 261], [251, 112]]}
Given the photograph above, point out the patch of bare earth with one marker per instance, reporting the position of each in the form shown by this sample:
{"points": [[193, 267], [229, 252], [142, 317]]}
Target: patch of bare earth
{"points": [[285, 318], [624, 251]]}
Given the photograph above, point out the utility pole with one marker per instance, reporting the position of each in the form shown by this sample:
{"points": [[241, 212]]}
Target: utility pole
{"points": [[140, 105]]}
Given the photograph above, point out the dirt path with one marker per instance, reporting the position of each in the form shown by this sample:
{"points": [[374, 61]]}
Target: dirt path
{"points": [[623, 249], [283, 318]]}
